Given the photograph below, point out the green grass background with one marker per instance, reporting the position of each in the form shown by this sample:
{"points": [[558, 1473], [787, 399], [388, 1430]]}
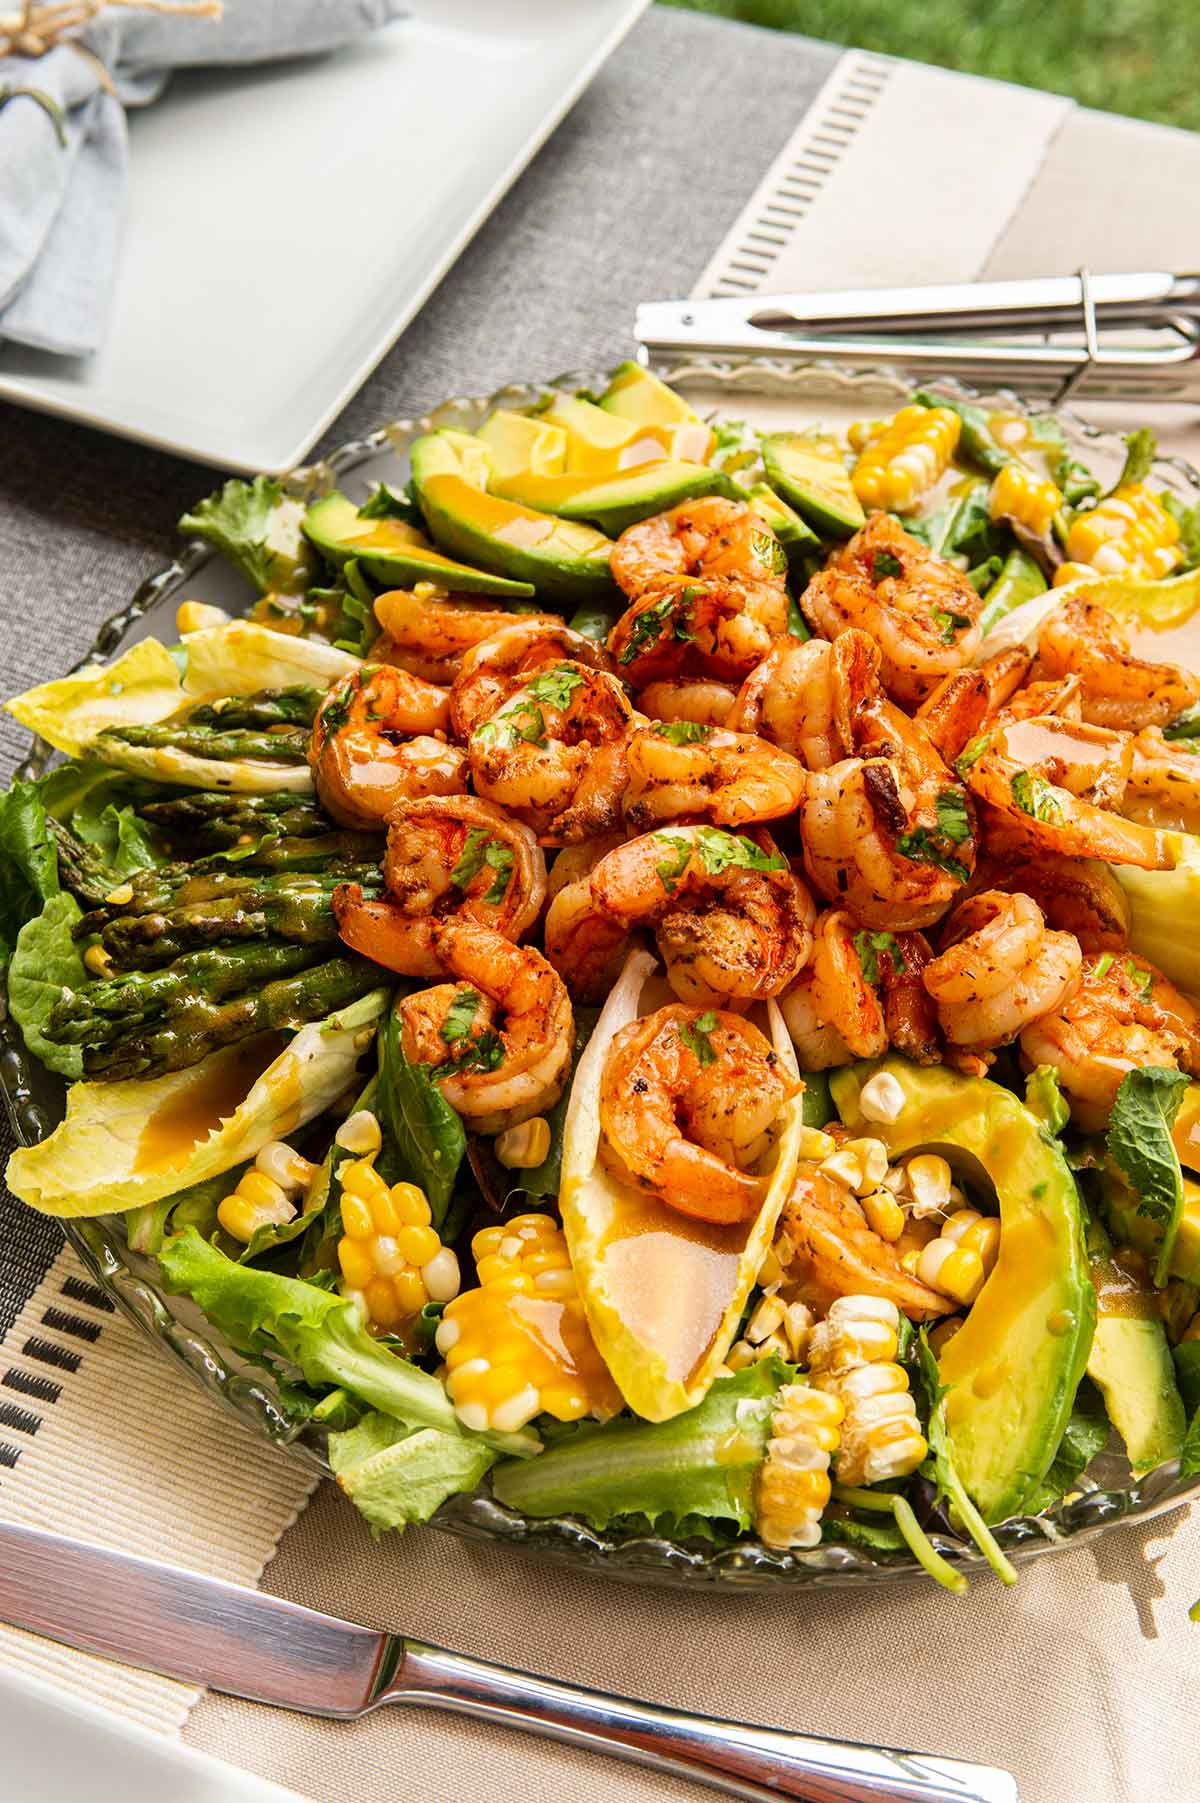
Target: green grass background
{"points": [[1126, 56]]}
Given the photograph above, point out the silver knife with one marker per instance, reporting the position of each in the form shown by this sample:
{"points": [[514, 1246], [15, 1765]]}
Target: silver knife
{"points": [[207, 1632]]}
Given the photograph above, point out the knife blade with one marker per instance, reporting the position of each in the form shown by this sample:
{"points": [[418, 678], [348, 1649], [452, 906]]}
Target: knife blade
{"points": [[206, 1631]]}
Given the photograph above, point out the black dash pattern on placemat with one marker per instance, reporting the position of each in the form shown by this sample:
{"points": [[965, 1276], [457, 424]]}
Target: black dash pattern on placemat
{"points": [[16, 1418]]}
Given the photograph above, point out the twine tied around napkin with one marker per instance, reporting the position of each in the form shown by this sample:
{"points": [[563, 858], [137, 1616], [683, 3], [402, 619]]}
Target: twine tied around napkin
{"points": [[69, 70]]}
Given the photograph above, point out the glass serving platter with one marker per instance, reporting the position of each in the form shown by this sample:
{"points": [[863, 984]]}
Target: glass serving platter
{"points": [[770, 396]]}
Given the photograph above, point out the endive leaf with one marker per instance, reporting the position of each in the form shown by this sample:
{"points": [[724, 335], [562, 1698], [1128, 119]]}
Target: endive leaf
{"points": [[141, 688], [243, 657], [125, 1144]]}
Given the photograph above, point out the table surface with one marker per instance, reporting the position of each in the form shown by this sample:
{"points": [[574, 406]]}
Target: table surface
{"points": [[1063, 1679]]}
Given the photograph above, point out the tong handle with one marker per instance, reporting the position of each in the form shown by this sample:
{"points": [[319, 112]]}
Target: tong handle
{"points": [[760, 1765]]}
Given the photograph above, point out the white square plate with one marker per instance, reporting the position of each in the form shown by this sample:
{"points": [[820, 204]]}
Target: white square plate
{"points": [[58, 1747], [286, 222]]}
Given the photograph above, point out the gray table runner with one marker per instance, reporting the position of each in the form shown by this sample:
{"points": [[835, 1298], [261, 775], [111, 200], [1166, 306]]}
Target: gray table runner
{"points": [[625, 202]]}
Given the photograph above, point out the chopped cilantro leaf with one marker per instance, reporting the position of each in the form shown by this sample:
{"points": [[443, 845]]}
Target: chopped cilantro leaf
{"points": [[682, 732], [696, 1039], [869, 945], [972, 752], [648, 626], [1140, 977], [1035, 796], [883, 563], [726, 851], [521, 720], [1140, 1145], [949, 623], [460, 1015], [556, 687], [924, 847], [481, 851], [671, 869], [769, 552], [954, 823]]}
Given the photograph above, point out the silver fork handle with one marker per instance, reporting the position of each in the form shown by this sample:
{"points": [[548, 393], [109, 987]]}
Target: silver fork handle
{"points": [[760, 1764]]}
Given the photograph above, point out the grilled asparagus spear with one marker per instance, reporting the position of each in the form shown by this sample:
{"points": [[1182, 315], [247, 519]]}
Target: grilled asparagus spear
{"points": [[269, 707], [211, 819], [291, 906], [285, 744], [118, 1006]]}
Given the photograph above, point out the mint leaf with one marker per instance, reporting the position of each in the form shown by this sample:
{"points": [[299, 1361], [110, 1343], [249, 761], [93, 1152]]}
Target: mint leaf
{"points": [[696, 1039], [1140, 1145]]}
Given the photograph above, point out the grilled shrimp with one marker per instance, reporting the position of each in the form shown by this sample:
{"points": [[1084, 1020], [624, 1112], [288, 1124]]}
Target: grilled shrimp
{"points": [[495, 668], [372, 744], [789, 700], [827, 1250], [1002, 970], [835, 1011], [446, 855], [498, 1039], [689, 1100], [699, 698], [555, 753], [1116, 688], [1045, 783], [958, 709], [1124, 1015], [684, 771], [1164, 782], [1080, 896], [681, 628], [921, 612], [713, 539], [585, 947], [428, 633], [732, 922]]}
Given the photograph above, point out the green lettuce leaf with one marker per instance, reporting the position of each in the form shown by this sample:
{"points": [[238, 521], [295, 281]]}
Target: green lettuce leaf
{"points": [[393, 1474], [1141, 448], [111, 1153], [28, 862], [141, 688], [243, 657], [1085, 1435], [256, 525], [147, 1227], [100, 806], [318, 1331], [46, 961], [423, 1134], [1140, 1145], [700, 1463]]}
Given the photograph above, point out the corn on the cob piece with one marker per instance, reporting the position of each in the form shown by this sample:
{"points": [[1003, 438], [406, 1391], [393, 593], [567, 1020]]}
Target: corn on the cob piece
{"points": [[392, 1260], [792, 1488], [519, 1345], [958, 1261], [1128, 534], [257, 1202], [852, 1356], [1019, 493], [905, 457], [776, 1329]]}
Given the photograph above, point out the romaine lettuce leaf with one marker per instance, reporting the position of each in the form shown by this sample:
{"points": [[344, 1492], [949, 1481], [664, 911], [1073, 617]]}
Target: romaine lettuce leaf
{"points": [[318, 1331], [256, 525], [702, 1462], [1140, 1145], [394, 1475], [243, 657], [46, 961], [100, 805], [28, 862], [117, 1149], [141, 688]]}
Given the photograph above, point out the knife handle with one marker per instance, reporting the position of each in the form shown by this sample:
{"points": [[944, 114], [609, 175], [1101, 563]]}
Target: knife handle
{"points": [[760, 1764]]}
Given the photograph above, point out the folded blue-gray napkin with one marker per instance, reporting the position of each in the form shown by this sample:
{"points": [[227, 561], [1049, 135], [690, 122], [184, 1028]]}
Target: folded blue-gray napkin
{"points": [[64, 149]]}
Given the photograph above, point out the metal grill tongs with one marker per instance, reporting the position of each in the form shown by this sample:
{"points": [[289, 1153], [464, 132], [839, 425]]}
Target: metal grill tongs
{"points": [[1100, 336]]}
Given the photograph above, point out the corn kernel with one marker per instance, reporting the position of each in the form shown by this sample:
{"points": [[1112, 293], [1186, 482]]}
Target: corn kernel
{"points": [[741, 1354], [358, 1267], [906, 457], [255, 1203], [360, 1133], [117, 898], [953, 1270], [976, 1232], [884, 1214], [285, 1167], [524, 1147], [1020, 494], [386, 1249], [815, 1144], [793, 1487], [195, 616], [443, 1280], [928, 1179], [852, 1356], [98, 961], [881, 1098], [1129, 533], [1073, 572], [856, 1331], [411, 1204], [417, 1244], [765, 1319]]}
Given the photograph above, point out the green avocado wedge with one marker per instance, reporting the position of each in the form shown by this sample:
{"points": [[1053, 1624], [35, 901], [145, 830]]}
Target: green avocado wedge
{"points": [[395, 552], [633, 393], [811, 477], [564, 559], [1130, 1361], [1012, 1369], [614, 502], [1119, 1206]]}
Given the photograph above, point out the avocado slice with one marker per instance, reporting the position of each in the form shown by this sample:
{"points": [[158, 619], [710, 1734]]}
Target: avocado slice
{"points": [[616, 501], [633, 393], [810, 475], [1130, 1360], [523, 441], [1014, 1366], [395, 552], [600, 443], [562, 558]]}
